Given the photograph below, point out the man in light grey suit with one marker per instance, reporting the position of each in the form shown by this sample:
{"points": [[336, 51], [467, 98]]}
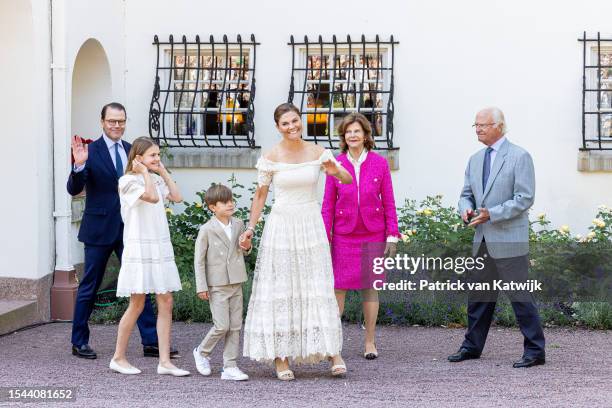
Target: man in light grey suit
{"points": [[500, 184]]}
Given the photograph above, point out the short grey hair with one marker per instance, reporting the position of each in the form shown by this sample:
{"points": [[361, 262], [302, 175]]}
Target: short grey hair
{"points": [[498, 118]]}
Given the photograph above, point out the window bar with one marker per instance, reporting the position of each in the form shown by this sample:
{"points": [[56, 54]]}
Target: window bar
{"points": [[178, 114], [233, 122], [212, 72], [390, 104], [599, 89], [332, 92], [292, 83], [378, 74], [250, 123], [363, 71], [195, 90], [584, 47], [168, 87], [154, 108], [222, 124], [305, 81], [316, 99]]}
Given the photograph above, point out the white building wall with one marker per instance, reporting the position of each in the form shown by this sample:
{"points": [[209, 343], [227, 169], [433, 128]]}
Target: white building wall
{"points": [[453, 59], [26, 242]]}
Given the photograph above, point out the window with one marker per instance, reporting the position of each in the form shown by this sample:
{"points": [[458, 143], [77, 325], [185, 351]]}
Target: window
{"points": [[331, 79], [203, 93], [597, 93]]}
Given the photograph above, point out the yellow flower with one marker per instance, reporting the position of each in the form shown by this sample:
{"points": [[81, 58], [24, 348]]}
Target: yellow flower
{"points": [[199, 205], [409, 232], [590, 235], [599, 223], [419, 212], [413, 232], [169, 211], [541, 216], [405, 238], [578, 237], [428, 212], [564, 229]]}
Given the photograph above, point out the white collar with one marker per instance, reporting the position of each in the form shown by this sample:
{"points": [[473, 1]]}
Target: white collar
{"points": [[229, 224], [495, 146], [361, 159], [109, 142]]}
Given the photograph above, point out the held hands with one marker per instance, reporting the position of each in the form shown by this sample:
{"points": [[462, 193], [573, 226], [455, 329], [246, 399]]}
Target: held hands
{"points": [[245, 240], [203, 295], [481, 218], [80, 151], [390, 250]]}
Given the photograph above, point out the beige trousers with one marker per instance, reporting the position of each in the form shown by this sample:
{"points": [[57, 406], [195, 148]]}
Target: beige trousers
{"points": [[226, 308]]}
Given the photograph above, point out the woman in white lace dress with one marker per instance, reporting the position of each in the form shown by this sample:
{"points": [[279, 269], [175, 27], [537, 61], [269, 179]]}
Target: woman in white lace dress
{"points": [[293, 314]]}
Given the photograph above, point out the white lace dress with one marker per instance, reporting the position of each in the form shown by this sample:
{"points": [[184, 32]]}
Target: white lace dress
{"points": [[147, 263], [293, 311]]}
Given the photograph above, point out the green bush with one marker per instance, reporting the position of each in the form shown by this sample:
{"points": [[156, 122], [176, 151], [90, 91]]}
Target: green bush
{"points": [[438, 231]]}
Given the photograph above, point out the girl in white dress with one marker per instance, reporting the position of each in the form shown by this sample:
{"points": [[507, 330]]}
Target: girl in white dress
{"points": [[147, 264], [293, 314]]}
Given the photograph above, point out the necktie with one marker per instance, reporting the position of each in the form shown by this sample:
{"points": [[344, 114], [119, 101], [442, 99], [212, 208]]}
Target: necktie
{"points": [[118, 163], [486, 167]]}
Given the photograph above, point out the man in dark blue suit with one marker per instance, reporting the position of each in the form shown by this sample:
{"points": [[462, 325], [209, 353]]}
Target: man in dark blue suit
{"points": [[97, 168]]}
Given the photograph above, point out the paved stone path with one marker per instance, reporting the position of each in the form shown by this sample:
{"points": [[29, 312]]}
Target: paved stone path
{"points": [[412, 371]]}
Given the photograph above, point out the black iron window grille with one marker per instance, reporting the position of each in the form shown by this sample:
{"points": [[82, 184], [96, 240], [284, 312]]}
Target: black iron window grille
{"points": [[596, 93], [331, 79], [203, 93]]}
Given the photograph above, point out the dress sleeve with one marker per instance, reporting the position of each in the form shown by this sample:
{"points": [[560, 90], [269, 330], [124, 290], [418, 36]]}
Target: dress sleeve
{"points": [[264, 172], [328, 155], [131, 188]]}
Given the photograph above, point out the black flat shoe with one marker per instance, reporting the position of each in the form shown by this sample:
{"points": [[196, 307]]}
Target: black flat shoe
{"points": [[461, 355], [84, 351], [153, 351], [527, 362]]}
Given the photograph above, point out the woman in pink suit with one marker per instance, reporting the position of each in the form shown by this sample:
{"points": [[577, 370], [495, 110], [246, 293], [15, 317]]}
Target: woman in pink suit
{"points": [[359, 218]]}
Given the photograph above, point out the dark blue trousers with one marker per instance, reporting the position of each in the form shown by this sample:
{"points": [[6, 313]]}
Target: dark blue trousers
{"points": [[96, 258], [481, 306]]}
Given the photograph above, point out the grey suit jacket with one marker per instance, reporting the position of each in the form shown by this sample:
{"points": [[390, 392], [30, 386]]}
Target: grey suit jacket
{"points": [[509, 193], [217, 260]]}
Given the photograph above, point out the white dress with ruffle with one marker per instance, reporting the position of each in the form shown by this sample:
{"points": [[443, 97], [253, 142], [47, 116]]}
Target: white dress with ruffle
{"points": [[147, 263], [293, 311]]}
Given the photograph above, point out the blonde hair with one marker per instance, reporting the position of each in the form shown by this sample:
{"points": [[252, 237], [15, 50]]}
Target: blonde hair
{"points": [[139, 147]]}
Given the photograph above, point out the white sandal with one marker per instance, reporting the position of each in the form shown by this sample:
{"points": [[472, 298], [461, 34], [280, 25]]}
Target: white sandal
{"points": [[285, 375]]}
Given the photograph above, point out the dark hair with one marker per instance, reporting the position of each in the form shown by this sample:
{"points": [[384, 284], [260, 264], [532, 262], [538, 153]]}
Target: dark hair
{"points": [[284, 108], [218, 193], [113, 105], [139, 147], [349, 119]]}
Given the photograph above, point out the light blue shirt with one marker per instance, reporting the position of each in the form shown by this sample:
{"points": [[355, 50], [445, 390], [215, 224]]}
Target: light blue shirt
{"points": [[111, 150], [496, 146]]}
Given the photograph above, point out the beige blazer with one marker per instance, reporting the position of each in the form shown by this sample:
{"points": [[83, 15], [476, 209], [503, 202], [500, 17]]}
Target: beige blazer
{"points": [[218, 261]]}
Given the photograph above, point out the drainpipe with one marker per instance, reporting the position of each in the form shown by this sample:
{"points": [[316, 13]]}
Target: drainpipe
{"points": [[63, 291]]}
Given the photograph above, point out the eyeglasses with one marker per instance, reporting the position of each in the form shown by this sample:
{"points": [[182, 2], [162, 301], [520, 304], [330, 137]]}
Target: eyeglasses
{"points": [[482, 125], [115, 122]]}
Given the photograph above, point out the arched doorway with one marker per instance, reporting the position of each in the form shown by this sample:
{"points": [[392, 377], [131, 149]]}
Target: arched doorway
{"points": [[91, 89]]}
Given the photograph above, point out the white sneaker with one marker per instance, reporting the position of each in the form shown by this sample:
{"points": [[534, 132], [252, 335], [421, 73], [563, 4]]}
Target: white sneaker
{"points": [[202, 363], [234, 374], [176, 372], [131, 370]]}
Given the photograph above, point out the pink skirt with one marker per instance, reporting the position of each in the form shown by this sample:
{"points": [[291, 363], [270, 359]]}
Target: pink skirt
{"points": [[353, 257]]}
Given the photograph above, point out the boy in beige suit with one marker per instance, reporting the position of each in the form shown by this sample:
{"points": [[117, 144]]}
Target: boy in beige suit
{"points": [[220, 272]]}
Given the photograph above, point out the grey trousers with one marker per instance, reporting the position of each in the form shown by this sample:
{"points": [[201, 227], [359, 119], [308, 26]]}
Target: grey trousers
{"points": [[226, 308]]}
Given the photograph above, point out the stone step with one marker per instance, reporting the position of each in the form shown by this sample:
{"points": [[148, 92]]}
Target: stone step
{"points": [[15, 314]]}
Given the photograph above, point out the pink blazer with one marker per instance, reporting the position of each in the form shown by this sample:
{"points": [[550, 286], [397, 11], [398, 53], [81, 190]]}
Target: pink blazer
{"points": [[376, 201]]}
